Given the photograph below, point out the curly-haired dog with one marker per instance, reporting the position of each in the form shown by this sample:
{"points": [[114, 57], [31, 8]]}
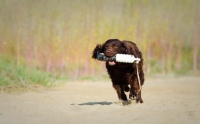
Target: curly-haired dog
{"points": [[123, 75]]}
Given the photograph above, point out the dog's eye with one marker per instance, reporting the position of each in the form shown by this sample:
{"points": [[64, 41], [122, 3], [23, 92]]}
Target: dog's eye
{"points": [[115, 46], [106, 46]]}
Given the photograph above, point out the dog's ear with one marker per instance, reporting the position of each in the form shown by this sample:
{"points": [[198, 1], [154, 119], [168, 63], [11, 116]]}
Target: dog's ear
{"points": [[97, 49], [131, 48], [126, 48]]}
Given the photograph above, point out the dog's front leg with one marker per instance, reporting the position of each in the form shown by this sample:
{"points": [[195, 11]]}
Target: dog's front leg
{"points": [[121, 95]]}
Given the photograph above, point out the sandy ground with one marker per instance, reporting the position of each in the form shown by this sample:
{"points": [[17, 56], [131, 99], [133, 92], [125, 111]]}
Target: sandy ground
{"points": [[166, 101]]}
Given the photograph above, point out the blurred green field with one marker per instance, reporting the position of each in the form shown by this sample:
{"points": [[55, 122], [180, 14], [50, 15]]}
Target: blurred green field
{"points": [[55, 38]]}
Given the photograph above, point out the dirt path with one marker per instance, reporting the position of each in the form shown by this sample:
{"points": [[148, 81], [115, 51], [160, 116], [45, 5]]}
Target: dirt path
{"points": [[166, 101]]}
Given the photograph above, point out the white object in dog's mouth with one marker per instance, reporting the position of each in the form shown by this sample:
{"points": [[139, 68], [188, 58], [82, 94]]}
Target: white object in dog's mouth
{"points": [[111, 63]]}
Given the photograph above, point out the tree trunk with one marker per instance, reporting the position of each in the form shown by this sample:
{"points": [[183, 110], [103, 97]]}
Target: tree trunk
{"points": [[196, 41], [163, 57], [18, 49], [195, 57], [178, 57]]}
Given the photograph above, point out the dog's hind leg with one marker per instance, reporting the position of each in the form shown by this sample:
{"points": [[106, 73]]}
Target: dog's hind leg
{"points": [[135, 91], [126, 88], [139, 98]]}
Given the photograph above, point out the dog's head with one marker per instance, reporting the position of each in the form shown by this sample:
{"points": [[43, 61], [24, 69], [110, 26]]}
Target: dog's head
{"points": [[110, 48]]}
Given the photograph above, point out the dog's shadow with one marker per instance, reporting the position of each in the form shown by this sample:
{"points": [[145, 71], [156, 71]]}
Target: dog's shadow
{"points": [[95, 103]]}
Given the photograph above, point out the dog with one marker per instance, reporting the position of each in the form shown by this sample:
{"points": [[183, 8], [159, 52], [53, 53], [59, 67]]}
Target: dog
{"points": [[123, 75]]}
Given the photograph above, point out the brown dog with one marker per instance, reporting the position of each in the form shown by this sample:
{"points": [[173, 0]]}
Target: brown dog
{"points": [[123, 74]]}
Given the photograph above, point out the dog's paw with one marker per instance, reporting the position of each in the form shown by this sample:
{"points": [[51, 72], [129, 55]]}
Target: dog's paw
{"points": [[132, 98], [139, 100], [123, 103]]}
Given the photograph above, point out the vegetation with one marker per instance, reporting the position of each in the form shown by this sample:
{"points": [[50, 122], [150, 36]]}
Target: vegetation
{"points": [[56, 37], [13, 77]]}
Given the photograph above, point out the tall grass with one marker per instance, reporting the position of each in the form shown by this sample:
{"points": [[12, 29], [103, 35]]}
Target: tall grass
{"points": [[13, 76], [59, 36]]}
